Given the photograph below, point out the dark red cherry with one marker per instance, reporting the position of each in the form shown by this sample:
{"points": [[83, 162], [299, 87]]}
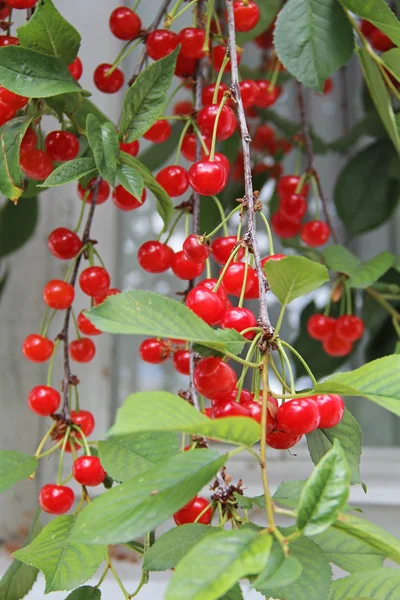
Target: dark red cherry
{"points": [[102, 194], [288, 184], [229, 409], [107, 82], [268, 94], [44, 400], [174, 179], [14, 100], [37, 348], [336, 346], [208, 178], [298, 416], [29, 141], [217, 58], [265, 139], [221, 249], [36, 164], [206, 304], [61, 145], [76, 68], [282, 441], [87, 470], [21, 4], [210, 285], [82, 350], [84, 419], [94, 280], [58, 294], [191, 511], [159, 132], [246, 14], [249, 91], [101, 296], [272, 257], [124, 23], [189, 146], [192, 40], [330, 408], [207, 94], [349, 327], [131, 148], [124, 200], [56, 499], [315, 233], [183, 268], [196, 249], [320, 327], [64, 243], [181, 361], [293, 207], [160, 43], [8, 40], [184, 108], [155, 257], [154, 350], [85, 326], [214, 378], [234, 277], [226, 122], [380, 41], [239, 319], [284, 228]]}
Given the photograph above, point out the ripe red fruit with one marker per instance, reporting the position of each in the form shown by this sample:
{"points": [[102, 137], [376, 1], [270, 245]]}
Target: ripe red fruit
{"points": [[102, 194], [87, 470], [246, 14], [8, 40], [221, 249], [183, 268], [328, 86], [234, 278], [84, 419], [190, 512], [226, 122], [330, 408], [293, 207], [7, 112], [131, 148], [4, 13], [174, 179], [93, 280], [160, 43], [207, 95], [349, 327], [229, 408], [255, 410], [380, 41], [206, 304], [191, 40], [154, 351], [20, 4], [36, 164], [101, 296], [185, 67], [76, 68], [124, 23], [159, 132], [217, 58], [155, 257], [56, 499], [29, 140], [37, 348], [61, 145], [58, 294], [85, 326], [210, 285], [214, 378], [14, 100], [44, 400], [366, 28], [268, 93], [249, 91], [124, 200], [320, 327], [208, 178], [106, 82], [287, 185], [196, 249], [265, 139], [64, 243], [82, 350], [272, 257], [282, 441], [181, 361], [188, 147], [315, 233], [184, 107], [223, 160], [283, 227], [239, 319], [298, 416], [336, 346]]}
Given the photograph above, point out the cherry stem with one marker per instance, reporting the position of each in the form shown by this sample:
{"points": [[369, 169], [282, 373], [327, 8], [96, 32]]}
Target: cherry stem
{"points": [[104, 575], [203, 512], [44, 440], [117, 578], [225, 268], [244, 283], [51, 450], [301, 359], [349, 299], [85, 248], [317, 196], [219, 78], [208, 268], [385, 305], [84, 439], [60, 464], [97, 254], [210, 10], [279, 322], [173, 226], [125, 52], [249, 354], [170, 16], [269, 233], [214, 136], [224, 219], [217, 22], [178, 150], [82, 211], [278, 375], [78, 333], [181, 12], [289, 367], [76, 398], [275, 75], [51, 363], [200, 139], [136, 5], [243, 361]]}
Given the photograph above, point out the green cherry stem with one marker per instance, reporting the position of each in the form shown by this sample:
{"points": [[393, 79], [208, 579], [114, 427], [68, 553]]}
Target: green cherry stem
{"points": [[279, 376], [46, 327], [200, 137], [82, 211], [78, 333], [244, 283], [301, 359], [173, 226], [279, 322], [128, 48], [219, 78], [214, 137], [288, 366], [118, 579], [181, 12], [210, 10], [269, 233], [178, 150], [51, 363], [84, 439], [60, 464], [242, 361], [224, 219], [97, 254], [226, 266]]}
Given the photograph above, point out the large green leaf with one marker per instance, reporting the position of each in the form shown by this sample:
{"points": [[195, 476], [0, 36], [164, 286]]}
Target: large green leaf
{"points": [[392, 61], [34, 75], [163, 411], [348, 433], [103, 141], [313, 39], [49, 33], [216, 563], [15, 466], [280, 571], [86, 592], [66, 563], [70, 171], [380, 584], [338, 258], [372, 270], [17, 224], [126, 456], [294, 276], [268, 11], [289, 492], [11, 134], [325, 492], [147, 313], [145, 99], [373, 195], [131, 180], [378, 13], [77, 108], [137, 506]]}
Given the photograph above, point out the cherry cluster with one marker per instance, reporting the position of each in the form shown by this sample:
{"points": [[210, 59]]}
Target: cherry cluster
{"points": [[337, 335]]}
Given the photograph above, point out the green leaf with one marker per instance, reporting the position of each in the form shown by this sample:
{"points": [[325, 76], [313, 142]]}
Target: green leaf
{"points": [[381, 584], [77, 108], [131, 180], [325, 492], [86, 592], [137, 506], [294, 276], [147, 313], [66, 563], [373, 195], [338, 258], [14, 466], [145, 99], [157, 155], [49, 33], [17, 224], [70, 171], [11, 134], [248, 503], [289, 493], [165, 207], [268, 11], [103, 141], [125, 456], [313, 39], [163, 411], [280, 571], [34, 75], [378, 13], [392, 61], [216, 563], [372, 270], [173, 546], [348, 433], [234, 594]]}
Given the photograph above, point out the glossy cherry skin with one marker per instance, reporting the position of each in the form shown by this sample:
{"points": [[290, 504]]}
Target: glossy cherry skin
{"points": [[159, 132], [192, 40], [87, 470], [315, 233], [44, 400], [320, 327], [56, 499], [254, 292], [284, 228], [272, 257], [86, 327], [287, 185], [267, 95], [207, 94], [64, 243], [196, 249], [380, 41], [183, 107], [208, 178], [293, 207], [36, 164], [221, 249], [106, 82], [14, 100], [189, 143], [131, 148], [349, 327], [330, 408], [226, 122], [126, 201], [206, 304], [265, 139], [183, 268], [84, 420], [181, 361], [76, 68], [8, 40], [61, 145], [282, 441], [174, 179], [124, 23], [210, 285], [160, 43], [154, 351], [336, 346], [239, 319], [93, 280], [29, 140], [229, 409], [155, 257], [249, 91], [246, 14], [298, 416], [101, 296], [190, 512], [217, 58], [20, 4], [58, 294], [82, 350], [214, 378], [102, 194], [37, 348], [255, 410], [234, 278]]}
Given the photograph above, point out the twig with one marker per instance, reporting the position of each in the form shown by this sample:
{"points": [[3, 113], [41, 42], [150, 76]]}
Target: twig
{"points": [[305, 128], [250, 237]]}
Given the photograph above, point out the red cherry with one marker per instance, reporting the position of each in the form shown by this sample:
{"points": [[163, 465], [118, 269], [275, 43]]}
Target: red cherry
{"points": [[94, 280], [131, 148], [226, 122], [328, 86], [282, 441], [254, 292], [265, 40], [221, 249], [249, 91], [293, 207], [284, 146], [102, 194], [217, 58], [84, 419], [8, 40], [36, 164], [4, 13], [61, 145], [287, 185], [183, 268], [366, 28], [86, 327], [234, 278], [229, 409], [255, 410], [29, 141], [37, 348], [159, 132], [331, 410], [82, 350], [246, 14], [106, 82], [272, 257], [56, 499], [101, 296], [265, 139], [206, 304], [76, 68], [64, 243], [239, 319], [208, 178], [213, 377], [7, 112], [320, 327], [58, 294], [207, 94], [124, 200], [124, 23], [298, 416], [315, 233], [191, 40], [155, 257], [14, 100], [245, 396], [190, 512], [185, 67], [184, 108], [268, 93], [87, 470], [210, 285], [223, 160], [44, 400], [283, 227], [154, 351], [160, 43], [174, 180], [181, 361], [349, 327], [336, 346], [380, 41], [189, 146], [196, 249], [20, 4]]}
